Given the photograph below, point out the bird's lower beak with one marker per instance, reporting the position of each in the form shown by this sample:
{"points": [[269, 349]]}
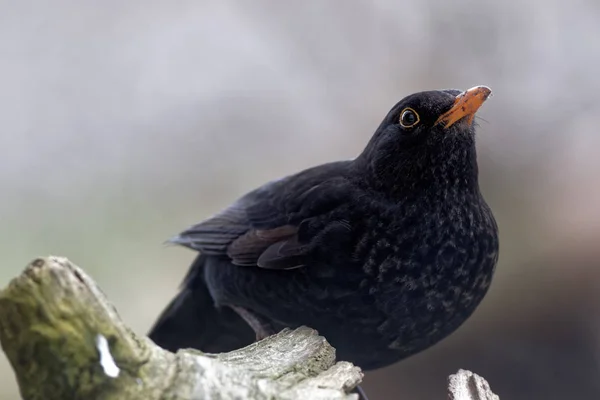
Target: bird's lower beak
{"points": [[466, 105]]}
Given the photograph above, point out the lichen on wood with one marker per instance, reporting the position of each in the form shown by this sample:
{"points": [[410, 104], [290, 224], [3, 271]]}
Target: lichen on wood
{"points": [[65, 340]]}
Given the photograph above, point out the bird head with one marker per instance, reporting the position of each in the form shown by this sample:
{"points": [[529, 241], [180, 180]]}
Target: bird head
{"points": [[427, 138]]}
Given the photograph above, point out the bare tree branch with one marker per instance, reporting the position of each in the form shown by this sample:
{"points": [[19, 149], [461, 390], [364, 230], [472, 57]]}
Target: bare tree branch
{"points": [[465, 385], [64, 340]]}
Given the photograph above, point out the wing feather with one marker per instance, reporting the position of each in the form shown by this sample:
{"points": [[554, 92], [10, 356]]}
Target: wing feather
{"points": [[263, 228]]}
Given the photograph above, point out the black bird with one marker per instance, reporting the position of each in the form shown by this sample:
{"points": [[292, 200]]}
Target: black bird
{"points": [[384, 255]]}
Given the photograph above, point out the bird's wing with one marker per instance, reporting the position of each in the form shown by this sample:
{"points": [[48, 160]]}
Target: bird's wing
{"points": [[276, 225]]}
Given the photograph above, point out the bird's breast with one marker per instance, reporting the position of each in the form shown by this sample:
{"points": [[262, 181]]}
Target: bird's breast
{"points": [[428, 269]]}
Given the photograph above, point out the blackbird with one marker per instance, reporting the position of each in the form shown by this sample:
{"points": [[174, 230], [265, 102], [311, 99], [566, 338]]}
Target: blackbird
{"points": [[385, 255]]}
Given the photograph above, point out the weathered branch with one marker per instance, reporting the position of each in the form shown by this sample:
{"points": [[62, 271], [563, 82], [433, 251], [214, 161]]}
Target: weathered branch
{"points": [[64, 340], [465, 385]]}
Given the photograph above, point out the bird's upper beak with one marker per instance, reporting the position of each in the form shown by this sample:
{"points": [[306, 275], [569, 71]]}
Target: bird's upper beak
{"points": [[466, 104]]}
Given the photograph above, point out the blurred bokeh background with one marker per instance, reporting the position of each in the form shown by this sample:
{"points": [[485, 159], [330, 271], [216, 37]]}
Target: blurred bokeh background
{"points": [[121, 123]]}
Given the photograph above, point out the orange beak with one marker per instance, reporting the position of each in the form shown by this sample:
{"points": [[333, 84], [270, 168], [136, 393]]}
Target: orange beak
{"points": [[466, 105]]}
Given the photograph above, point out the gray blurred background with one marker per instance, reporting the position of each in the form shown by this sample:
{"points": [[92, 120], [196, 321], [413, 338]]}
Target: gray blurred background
{"points": [[121, 123]]}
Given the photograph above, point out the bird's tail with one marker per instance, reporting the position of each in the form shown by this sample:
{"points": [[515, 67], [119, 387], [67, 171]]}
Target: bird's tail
{"points": [[192, 320]]}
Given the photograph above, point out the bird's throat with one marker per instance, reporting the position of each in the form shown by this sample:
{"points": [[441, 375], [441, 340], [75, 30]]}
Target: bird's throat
{"points": [[426, 173]]}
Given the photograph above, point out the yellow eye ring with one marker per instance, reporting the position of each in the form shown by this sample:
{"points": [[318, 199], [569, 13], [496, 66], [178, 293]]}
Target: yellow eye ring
{"points": [[409, 118]]}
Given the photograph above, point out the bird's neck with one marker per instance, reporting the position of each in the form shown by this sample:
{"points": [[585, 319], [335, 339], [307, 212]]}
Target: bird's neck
{"points": [[429, 173]]}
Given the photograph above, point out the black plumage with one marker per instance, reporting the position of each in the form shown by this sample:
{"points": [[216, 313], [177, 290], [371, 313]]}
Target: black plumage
{"points": [[384, 255]]}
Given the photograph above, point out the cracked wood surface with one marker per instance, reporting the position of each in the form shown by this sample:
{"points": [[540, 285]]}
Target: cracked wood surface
{"points": [[64, 340]]}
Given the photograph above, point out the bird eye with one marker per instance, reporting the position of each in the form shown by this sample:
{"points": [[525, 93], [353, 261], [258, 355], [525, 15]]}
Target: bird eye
{"points": [[409, 118]]}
